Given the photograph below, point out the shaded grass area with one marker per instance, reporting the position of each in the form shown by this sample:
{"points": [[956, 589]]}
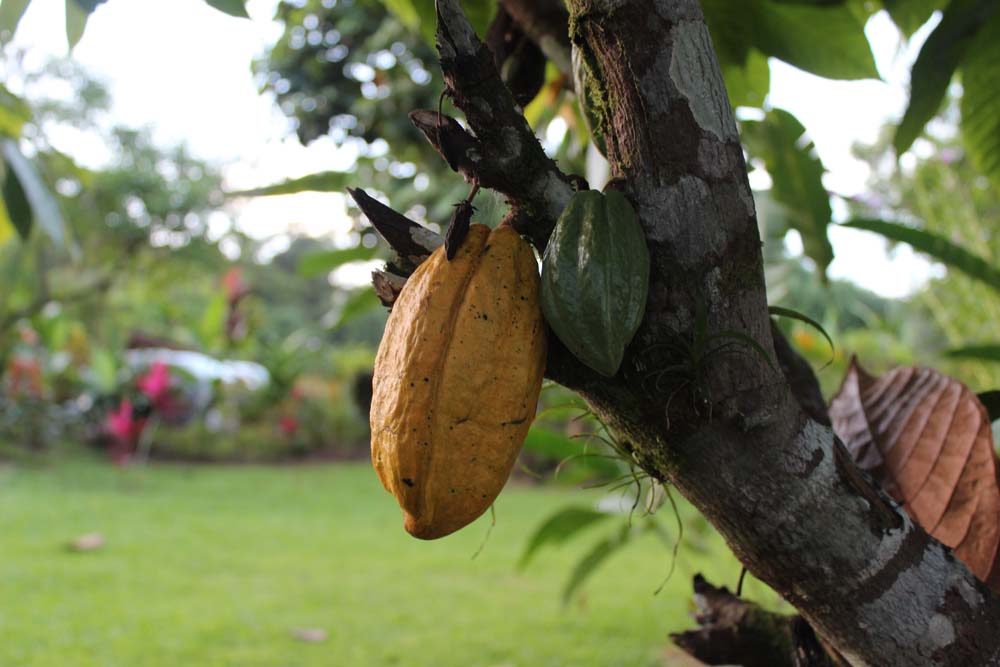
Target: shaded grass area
{"points": [[216, 566]]}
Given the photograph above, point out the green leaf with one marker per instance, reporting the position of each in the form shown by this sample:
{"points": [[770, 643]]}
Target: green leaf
{"points": [[551, 444], [211, 328], [324, 181], [235, 8], [558, 447], [76, 22], [797, 174], [952, 255], [16, 207], [44, 207], [937, 61], [420, 16], [89, 5], [983, 352], [359, 303], [981, 100], [14, 113], [317, 263], [11, 12], [828, 41], [748, 84], [587, 565], [6, 226], [909, 15], [104, 369], [728, 24], [559, 528], [991, 401], [796, 315]]}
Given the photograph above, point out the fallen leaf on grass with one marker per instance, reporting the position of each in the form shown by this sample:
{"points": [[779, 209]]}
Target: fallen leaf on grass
{"points": [[88, 542], [310, 635], [926, 439]]}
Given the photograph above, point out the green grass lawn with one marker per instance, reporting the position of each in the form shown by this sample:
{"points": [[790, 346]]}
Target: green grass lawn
{"points": [[215, 566]]}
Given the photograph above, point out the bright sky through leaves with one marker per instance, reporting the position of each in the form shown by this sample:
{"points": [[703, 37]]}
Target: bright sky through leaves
{"points": [[184, 69]]}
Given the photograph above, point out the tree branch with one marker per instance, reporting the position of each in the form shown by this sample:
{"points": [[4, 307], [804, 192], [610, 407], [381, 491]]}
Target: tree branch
{"points": [[735, 442], [507, 153], [733, 631], [546, 23], [725, 430]]}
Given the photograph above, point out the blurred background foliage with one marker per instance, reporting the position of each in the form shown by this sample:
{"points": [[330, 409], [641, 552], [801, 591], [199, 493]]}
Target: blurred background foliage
{"points": [[136, 318]]}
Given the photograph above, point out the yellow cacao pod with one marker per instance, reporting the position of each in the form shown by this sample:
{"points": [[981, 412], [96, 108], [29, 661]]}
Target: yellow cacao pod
{"points": [[456, 380]]}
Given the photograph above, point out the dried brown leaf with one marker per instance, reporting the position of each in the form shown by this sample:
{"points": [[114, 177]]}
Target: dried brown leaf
{"points": [[926, 439]]}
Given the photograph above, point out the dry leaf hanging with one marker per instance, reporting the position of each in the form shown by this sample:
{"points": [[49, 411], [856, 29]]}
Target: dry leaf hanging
{"points": [[926, 439]]}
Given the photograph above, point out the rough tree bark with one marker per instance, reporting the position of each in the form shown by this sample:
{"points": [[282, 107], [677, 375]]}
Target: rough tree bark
{"points": [[730, 433]]}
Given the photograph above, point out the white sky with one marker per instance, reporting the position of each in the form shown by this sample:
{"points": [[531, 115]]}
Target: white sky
{"points": [[184, 69]]}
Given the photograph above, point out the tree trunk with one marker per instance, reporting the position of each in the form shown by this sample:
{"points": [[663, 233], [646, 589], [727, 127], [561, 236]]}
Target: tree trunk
{"points": [[735, 434]]}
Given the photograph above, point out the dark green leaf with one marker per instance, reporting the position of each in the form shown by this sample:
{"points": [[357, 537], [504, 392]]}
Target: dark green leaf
{"points": [[11, 12], [235, 8], [937, 61], [796, 315], [559, 528], [797, 173], [324, 181], [44, 207], [16, 203], [981, 100], [317, 263], [909, 15], [985, 352], [828, 41], [728, 24], [601, 551], [89, 5], [991, 401], [361, 301], [941, 249]]}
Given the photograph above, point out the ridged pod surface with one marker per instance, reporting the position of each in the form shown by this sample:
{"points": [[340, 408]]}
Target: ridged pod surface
{"points": [[456, 380], [595, 278]]}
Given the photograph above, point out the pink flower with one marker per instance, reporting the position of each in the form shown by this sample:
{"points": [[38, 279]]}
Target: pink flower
{"points": [[155, 384], [124, 429]]}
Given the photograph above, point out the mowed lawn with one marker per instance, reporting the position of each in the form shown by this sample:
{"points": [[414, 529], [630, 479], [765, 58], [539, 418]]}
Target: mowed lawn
{"points": [[217, 566]]}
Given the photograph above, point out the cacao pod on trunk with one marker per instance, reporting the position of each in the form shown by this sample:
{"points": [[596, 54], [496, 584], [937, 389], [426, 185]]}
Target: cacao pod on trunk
{"points": [[456, 380], [595, 278]]}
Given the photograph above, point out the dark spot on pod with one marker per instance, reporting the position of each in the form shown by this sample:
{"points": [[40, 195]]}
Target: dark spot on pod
{"points": [[408, 481]]}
